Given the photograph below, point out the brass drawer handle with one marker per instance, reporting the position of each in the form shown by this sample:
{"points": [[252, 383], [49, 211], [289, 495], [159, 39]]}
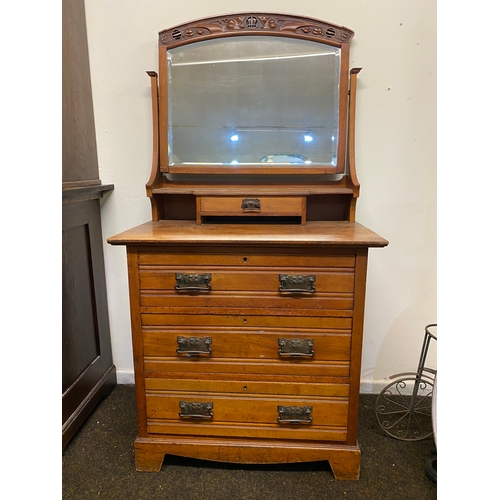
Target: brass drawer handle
{"points": [[193, 282], [297, 283], [250, 204], [194, 345], [195, 410], [295, 347], [294, 414]]}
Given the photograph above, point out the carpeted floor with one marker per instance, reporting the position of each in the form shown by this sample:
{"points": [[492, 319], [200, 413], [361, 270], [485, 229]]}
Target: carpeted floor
{"points": [[99, 464]]}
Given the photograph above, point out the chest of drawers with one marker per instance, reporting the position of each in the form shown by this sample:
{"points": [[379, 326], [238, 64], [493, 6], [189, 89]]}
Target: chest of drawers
{"points": [[247, 346], [247, 287]]}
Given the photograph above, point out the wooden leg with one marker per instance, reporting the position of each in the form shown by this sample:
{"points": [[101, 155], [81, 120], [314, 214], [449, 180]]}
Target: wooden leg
{"points": [[148, 461], [346, 467]]}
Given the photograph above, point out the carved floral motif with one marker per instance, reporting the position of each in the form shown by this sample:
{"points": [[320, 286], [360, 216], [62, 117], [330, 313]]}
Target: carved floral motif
{"points": [[258, 23]]}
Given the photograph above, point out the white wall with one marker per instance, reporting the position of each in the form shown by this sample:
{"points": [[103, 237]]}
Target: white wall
{"points": [[395, 44]]}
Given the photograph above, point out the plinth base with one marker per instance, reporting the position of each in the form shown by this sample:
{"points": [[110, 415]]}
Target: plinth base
{"points": [[344, 460]]}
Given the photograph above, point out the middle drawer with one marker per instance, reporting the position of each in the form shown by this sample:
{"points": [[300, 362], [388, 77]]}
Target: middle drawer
{"points": [[269, 344]]}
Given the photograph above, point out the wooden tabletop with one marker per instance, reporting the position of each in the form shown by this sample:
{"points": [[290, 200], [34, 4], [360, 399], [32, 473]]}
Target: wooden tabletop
{"points": [[339, 233]]}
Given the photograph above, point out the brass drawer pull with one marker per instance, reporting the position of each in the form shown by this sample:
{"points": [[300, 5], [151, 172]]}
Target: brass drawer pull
{"points": [[193, 282], [295, 414], [297, 283], [296, 347], [194, 345], [195, 410], [250, 204]]}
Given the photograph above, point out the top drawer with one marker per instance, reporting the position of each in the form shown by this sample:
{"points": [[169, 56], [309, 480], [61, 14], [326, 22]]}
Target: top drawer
{"points": [[252, 280], [246, 280], [296, 280], [246, 259]]}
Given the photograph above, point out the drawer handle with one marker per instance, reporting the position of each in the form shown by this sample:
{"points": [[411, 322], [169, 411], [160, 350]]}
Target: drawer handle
{"points": [[294, 414], [193, 282], [296, 347], [194, 345], [195, 410], [297, 283], [250, 204]]}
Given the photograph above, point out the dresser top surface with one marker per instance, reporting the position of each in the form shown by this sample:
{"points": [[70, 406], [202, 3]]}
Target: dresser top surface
{"points": [[338, 233]]}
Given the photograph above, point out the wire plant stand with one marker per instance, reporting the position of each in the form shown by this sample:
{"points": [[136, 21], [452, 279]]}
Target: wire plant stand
{"points": [[404, 407]]}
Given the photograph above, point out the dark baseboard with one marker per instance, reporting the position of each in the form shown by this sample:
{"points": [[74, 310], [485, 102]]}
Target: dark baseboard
{"points": [[102, 389]]}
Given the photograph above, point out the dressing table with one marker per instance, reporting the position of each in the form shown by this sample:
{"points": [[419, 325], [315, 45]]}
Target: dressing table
{"points": [[247, 287]]}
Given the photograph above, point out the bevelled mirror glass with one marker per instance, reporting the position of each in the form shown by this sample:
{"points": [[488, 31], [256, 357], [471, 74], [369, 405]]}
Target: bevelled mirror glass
{"points": [[253, 100]]}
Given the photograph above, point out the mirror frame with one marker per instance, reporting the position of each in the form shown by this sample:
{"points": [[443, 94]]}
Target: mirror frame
{"points": [[254, 24]]}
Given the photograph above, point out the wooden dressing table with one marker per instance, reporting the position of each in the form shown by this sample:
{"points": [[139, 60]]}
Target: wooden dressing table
{"points": [[247, 287]]}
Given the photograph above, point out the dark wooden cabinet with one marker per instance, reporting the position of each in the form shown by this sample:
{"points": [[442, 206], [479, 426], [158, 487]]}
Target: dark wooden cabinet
{"points": [[247, 288], [88, 373]]}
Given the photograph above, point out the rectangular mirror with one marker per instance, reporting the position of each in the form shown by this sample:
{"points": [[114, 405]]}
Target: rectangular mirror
{"points": [[253, 101]]}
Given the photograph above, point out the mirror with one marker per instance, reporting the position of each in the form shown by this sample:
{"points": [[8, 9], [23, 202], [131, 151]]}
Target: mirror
{"points": [[253, 100]]}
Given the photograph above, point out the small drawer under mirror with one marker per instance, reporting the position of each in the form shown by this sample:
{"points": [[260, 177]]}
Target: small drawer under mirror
{"points": [[251, 206]]}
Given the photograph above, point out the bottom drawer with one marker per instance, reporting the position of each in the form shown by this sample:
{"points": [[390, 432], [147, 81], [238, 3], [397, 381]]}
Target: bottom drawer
{"points": [[272, 416]]}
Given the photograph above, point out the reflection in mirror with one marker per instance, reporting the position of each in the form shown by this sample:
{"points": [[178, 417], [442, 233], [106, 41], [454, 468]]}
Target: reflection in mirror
{"points": [[250, 100]]}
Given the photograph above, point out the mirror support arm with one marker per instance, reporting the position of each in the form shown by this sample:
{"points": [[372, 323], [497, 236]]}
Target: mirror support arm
{"points": [[154, 177], [351, 144]]}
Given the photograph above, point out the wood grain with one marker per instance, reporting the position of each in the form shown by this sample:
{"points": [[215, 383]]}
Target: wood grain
{"points": [[334, 233]]}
